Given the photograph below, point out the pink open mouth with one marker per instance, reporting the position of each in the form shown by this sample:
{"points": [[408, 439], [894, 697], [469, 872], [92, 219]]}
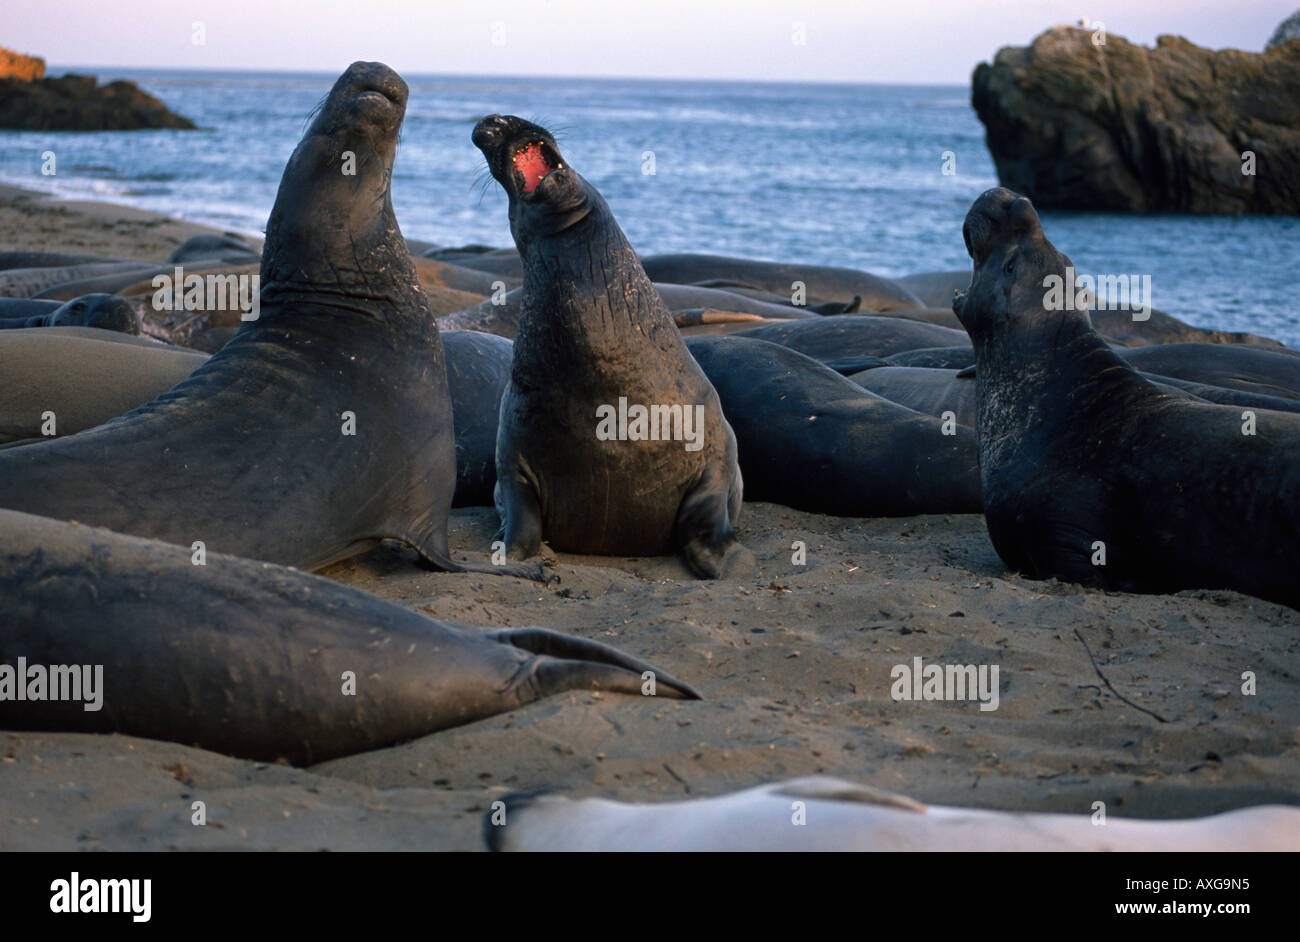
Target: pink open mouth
{"points": [[532, 166]]}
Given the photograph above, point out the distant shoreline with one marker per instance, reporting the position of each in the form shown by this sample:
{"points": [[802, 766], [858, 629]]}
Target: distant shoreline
{"points": [[121, 206], [34, 220]]}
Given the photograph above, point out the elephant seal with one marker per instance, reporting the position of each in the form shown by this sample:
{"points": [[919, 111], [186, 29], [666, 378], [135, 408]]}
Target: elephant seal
{"points": [[820, 281], [849, 342], [938, 392], [1228, 397], [34, 282], [501, 317], [228, 247], [808, 305], [66, 371], [22, 259], [501, 263], [1258, 370], [104, 311], [324, 425], [929, 391], [435, 273], [478, 371], [595, 339], [60, 384], [812, 440], [840, 815], [960, 357], [1092, 474], [926, 315], [252, 659], [936, 289]]}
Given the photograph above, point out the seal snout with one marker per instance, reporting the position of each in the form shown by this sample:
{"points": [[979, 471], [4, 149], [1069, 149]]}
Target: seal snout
{"points": [[368, 79], [490, 132], [999, 215]]}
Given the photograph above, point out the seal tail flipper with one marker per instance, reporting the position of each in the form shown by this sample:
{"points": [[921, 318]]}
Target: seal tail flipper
{"points": [[434, 556], [571, 663], [833, 308], [440, 562]]}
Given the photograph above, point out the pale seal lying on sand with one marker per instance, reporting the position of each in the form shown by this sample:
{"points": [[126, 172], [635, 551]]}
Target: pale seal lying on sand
{"points": [[828, 814]]}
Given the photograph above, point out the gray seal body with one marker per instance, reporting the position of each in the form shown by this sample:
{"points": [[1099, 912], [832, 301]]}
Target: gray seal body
{"points": [[594, 336], [324, 425], [256, 660], [1092, 473]]}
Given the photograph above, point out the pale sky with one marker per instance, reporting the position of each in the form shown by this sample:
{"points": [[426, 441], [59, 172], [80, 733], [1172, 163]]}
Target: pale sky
{"points": [[911, 41]]}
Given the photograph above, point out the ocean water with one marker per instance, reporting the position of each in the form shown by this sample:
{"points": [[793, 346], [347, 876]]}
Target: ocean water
{"points": [[831, 174]]}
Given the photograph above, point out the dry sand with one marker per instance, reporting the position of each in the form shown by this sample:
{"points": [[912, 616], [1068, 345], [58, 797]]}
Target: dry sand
{"points": [[794, 662]]}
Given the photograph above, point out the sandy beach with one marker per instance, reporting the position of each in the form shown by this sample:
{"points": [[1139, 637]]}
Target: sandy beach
{"points": [[794, 662]]}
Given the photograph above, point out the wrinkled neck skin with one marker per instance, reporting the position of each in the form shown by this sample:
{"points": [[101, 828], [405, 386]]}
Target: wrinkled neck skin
{"points": [[333, 246], [1029, 359], [588, 306]]}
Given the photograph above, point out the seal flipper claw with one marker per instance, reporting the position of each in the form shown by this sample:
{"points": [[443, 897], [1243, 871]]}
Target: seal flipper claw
{"points": [[521, 518], [434, 556], [532, 571], [707, 541], [596, 664]]}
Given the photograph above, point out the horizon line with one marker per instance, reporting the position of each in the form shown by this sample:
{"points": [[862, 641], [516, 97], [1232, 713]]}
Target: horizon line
{"points": [[506, 75]]}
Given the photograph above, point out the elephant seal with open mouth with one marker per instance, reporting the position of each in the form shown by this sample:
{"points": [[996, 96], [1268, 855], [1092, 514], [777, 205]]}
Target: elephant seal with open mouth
{"points": [[612, 441]]}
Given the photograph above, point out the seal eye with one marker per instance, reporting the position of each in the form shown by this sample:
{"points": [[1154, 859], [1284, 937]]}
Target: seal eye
{"points": [[1009, 268]]}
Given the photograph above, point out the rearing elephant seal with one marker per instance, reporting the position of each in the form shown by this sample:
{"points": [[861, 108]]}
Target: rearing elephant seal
{"points": [[1092, 474], [323, 426], [595, 349]]}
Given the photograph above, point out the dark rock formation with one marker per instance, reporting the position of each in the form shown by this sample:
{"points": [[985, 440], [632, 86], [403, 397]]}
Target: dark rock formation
{"points": [[76, 103], [1121, 127]]}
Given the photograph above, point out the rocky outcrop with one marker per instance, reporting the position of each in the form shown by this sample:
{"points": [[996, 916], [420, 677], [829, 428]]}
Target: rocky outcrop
{"points": [[15, 65], [1077, 124], [1286, 30], [78, 103]]}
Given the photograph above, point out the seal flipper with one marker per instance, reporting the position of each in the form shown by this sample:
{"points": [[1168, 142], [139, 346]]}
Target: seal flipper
{"points": [[441, 561], [568, 663], [434, 555], [832, 308], [535, 572], [704, 533], [521, 517]]}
